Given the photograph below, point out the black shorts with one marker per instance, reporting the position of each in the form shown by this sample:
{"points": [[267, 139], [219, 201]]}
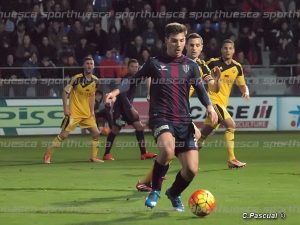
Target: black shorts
{"points": [[184, 134], [120, 119]]}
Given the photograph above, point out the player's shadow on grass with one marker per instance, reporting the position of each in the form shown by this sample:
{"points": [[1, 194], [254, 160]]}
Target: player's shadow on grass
{"points": [[134, 196], [32, 163], [137, 217], [215, 170], [291, 173], [61, 189]]}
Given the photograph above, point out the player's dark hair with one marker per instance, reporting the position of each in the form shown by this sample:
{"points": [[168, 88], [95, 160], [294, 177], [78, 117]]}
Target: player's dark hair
{"points": [[175, 28], [194, 36], [87, 58], [226, 41], [132, 61]]}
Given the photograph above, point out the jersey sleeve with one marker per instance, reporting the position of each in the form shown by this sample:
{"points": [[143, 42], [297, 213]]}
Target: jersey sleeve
{"points": [[199, 87], [68, 88], [240, 79], [210, 64], [206, 73]]}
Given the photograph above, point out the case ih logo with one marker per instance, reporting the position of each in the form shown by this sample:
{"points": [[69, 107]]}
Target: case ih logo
{"points": [[246, 116], [263, 111], [296, 113]]}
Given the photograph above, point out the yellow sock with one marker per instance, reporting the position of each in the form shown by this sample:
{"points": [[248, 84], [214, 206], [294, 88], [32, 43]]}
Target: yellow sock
{"points": [[55, 143], [229, 140], [148, 177], [94, 150]]}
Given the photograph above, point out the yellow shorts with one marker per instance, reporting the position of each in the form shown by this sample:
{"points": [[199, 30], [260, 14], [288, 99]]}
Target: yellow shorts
{"points": [[69, 123], [223, 114]]}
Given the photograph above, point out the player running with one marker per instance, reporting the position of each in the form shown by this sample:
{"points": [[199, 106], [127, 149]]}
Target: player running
{"points": [[194, 46], [172, 74], [79, 110]]}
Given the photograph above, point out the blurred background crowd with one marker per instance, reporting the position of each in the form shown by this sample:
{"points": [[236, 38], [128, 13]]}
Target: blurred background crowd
{"points": [[39, 42]]}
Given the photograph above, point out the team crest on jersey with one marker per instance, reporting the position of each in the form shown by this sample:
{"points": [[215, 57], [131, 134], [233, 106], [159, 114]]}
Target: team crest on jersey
{"points": [[163, 67], [186, 68]]}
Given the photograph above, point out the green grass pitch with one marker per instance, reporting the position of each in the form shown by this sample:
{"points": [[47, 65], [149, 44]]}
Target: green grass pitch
{"points": [[72, 191]]}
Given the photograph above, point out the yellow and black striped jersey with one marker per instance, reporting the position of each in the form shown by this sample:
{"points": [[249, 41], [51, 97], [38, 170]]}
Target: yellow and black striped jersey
{"points": [[204, 72], [80, 90], [229, 74]]}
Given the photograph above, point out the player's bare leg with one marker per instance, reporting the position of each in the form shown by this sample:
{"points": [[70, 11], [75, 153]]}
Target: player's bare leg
{"points": [[206, 130], [197, 132]]}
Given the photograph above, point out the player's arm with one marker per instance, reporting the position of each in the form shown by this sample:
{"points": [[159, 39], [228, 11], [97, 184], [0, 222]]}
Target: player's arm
{"points": [[212, 74], [148, 83], [66, 93], [245, 92], [203, 97], [241, 83], [92, 100], [124, 86], [65, 98], [213, 79]]}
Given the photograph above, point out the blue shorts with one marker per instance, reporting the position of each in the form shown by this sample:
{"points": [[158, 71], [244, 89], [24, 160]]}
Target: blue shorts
{"points": [[184, 134]]}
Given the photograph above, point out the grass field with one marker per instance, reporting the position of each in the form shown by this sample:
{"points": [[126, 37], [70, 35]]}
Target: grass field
{"points": [[72, 191]]}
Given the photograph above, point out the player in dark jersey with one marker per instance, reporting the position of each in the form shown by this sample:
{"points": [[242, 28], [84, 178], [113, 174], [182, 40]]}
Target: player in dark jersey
{"points": [[124, 112], [172, 74], [194, 46], [102, 112]]}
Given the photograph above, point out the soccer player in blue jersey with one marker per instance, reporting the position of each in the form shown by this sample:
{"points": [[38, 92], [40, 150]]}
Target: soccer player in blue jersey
{"points": [[124, 112], [172, 74]]}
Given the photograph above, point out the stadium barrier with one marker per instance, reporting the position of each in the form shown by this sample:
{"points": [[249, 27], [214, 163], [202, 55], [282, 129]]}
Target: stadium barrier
{"points": [[44, 116], [48, 82]]}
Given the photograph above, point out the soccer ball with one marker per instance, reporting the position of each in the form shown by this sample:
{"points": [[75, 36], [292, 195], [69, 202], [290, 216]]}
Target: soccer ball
{"points": [[202, 202], [105, 131]]}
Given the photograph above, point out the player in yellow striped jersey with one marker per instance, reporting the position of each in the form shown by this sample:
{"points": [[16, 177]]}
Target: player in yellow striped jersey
{"points": [[194, 46], [78, 103], [231, 72]]}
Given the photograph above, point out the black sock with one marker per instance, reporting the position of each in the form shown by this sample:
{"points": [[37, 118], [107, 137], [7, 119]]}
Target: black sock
{"points": [[109, 119], [159, 171], [178, 186], [141, 140], [109, 142]]}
